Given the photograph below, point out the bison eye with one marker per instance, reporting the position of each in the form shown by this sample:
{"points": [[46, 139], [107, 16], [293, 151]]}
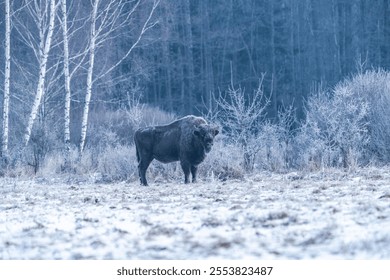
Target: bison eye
{"points": [[197, 133]]}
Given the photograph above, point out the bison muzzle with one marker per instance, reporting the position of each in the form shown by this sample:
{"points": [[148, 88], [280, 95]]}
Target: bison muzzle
{"points": [[186, 140]]}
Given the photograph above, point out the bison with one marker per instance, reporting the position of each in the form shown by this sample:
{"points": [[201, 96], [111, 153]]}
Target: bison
{"points": [[186, 140]]}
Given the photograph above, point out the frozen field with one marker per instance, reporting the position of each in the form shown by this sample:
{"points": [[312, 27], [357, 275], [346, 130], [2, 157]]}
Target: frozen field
{"points": [[268, 216]]}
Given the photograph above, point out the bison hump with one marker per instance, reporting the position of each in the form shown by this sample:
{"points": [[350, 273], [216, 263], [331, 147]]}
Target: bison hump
{"points": [[192, 121]]}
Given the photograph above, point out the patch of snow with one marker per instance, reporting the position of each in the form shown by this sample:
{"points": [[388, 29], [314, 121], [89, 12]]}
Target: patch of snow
{"points": [[333, 215]]}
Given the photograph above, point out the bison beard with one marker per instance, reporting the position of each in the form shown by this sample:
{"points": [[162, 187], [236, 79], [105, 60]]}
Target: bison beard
{"points": [[187, 139]]}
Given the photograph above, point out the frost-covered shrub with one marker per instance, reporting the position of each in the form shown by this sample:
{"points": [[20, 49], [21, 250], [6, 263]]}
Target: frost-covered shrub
{"points": [[274, 149], [110, 128], [155, 116], [338, 127], [275, 142], [164, 172], [43, 142], [263, 144], [349, 126], [242, 115], [117, 164], [312, 152], [374, 88], [223, 162], [55, 161], [110, 164]]}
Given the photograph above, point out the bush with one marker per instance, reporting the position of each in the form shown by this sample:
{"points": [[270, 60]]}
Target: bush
{"points": [[242, 116], [224, 161], [272, 155], [118, 164], [349, 126], [374, 88], [110, 128]]}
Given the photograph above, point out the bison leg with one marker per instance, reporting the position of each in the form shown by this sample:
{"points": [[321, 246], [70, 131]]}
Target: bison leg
{"points": [[142, 167], [186, 166], [194, 170]]}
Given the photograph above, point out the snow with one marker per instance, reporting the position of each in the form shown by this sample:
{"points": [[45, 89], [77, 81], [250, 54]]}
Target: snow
{"points": [[328, 215]]}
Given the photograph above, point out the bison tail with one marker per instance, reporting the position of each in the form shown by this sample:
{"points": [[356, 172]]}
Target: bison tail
{"points": [[136, 146], [137, 153]]}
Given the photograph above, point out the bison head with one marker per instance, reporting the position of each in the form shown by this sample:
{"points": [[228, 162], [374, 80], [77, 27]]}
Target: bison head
{"points": [[206, 133]]}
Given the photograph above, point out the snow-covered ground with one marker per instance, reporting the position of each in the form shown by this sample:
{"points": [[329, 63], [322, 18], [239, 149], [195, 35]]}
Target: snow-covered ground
{"points": [[332, 215]]}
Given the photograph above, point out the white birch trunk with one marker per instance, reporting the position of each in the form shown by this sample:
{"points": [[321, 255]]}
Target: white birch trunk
{"points": [[92, 46], [94, 35], [46, 43], [7, 74], [67, 81]]}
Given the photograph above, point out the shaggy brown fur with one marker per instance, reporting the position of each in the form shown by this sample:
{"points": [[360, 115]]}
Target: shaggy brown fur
{"points": [[187, 139]]}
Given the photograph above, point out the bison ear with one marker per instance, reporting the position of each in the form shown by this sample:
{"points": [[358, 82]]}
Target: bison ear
{"points": [[216, 131]]}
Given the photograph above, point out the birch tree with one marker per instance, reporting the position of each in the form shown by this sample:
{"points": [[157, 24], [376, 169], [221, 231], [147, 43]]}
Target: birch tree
{"points": [[44, 14], [75, 52], [106, 18], [67, 81], [88, 95], [7, 74]]}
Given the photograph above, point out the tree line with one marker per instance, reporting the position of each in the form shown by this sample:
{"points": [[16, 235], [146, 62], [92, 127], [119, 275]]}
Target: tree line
{"points": [[296, 44], [66, 63]]}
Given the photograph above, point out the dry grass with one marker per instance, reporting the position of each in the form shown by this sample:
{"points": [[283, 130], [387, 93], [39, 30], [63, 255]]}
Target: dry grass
{"points": [[268, 216]]}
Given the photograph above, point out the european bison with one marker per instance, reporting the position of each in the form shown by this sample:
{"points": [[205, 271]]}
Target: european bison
{"points": [[187, 139]]}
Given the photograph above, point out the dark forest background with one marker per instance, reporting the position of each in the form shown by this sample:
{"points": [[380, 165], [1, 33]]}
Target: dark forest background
{"points": [[198, 46]]}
